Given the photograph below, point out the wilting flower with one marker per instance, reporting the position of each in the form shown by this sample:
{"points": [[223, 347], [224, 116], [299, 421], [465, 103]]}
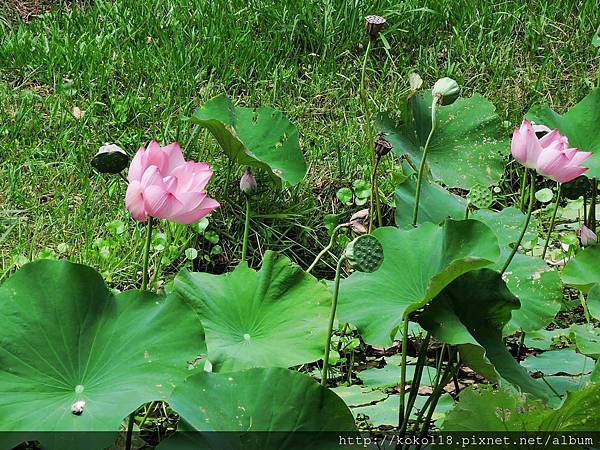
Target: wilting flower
{"points": [[550, 155], [248, 183], [164, 185], [586, 236], [358, 220]]}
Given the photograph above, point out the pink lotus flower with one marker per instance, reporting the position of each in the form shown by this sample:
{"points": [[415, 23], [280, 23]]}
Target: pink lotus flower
{"points": [[550, 155], [162, 184]]}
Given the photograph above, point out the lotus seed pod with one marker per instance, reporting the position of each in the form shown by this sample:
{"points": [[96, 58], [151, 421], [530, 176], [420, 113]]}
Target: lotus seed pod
{"points": [[480, 197], [110, 159], [365, 253], [446, 90], [374, 24], [382, 146]]}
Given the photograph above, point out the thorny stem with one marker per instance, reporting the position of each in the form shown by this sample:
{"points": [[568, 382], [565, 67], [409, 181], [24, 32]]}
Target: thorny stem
{"points": [[414, 385], [401, 412], [246, 229], [558, 191], [327, 247], [145, 275], [336, 289], [526, 224], [374, 195], [422, 165]]}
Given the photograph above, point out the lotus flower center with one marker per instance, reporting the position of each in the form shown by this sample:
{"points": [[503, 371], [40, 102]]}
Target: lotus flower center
{"points": [[247, 337]]}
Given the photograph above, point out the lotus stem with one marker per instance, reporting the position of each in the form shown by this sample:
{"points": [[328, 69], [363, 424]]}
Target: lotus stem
{"points": [[401, 412], [437, 392], [586, 311], [129, 434], [374, 196], [522, 191], [525, 225], [336, 290], [246, 229], [327, 247], [592, 213], [558, 192], [422, 165], [414, 385], [145, 275]]}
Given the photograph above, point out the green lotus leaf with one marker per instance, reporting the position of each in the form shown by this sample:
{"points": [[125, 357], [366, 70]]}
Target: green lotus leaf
{"points": [[262, 138], [418, 264], [538, 288], [471, 311], [468, 147], [581, 124], [482, 409], [531, 280], [276, 317], [583, 271], [593, 301], [273, 400], [559, 361], [587, 338], [436, 204], [65, 338]]}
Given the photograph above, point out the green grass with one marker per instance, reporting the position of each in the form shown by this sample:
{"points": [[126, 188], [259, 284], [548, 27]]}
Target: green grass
{"points": [[136, 67]]}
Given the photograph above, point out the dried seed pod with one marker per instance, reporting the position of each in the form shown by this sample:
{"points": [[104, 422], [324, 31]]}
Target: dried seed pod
{"points": [[374, 24], [365, 253], [382, 146], [110, 159]]}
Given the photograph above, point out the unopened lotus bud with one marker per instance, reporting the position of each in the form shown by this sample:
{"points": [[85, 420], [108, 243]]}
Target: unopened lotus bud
{"points": [[374, 24], [382, 146], [248, 183], [586, 236], [365, 253], [78, 407], [446, 91], [358, 221], [110, 159]]}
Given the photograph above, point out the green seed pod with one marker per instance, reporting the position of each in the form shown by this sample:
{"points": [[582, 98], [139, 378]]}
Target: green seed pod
{"points": [[110, 159], [480, 196], [365, 253], [446, 90]]}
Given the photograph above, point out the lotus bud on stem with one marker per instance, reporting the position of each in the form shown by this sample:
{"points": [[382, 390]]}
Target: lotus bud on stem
{"points": [[248, 187], [365, 254]]}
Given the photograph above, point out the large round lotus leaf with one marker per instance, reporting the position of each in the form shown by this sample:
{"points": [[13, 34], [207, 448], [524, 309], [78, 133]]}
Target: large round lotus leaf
{"points": [[471, 312], [561, 361], [536, 285], [587, 338], [295, 410], [276, 317], [261, 137], [418, 264], [593, 301], [65, 338], [468, 147], [538, 288], [583, 271], [581, 124], [507, 225], [486, 410], [436, 204]]}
